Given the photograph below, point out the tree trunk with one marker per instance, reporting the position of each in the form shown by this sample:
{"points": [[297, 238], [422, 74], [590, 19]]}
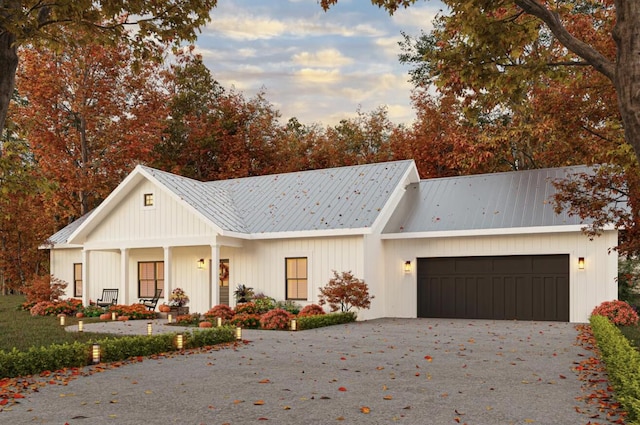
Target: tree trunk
{"points": [[8, 67], [627, 80]]}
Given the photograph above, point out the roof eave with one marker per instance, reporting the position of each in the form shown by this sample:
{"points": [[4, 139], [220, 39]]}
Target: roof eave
{"points": [[569, 228]]}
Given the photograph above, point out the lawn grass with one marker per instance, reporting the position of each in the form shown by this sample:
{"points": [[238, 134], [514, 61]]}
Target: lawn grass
{"points": [[20, 330]]}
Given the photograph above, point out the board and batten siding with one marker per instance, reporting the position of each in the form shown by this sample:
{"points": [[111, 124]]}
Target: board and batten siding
{"points": [[61, 266], [167, 219], [261, 264], [587, 288]]}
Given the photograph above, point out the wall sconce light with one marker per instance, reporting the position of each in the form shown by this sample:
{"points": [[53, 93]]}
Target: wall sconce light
{"points": [[180, 341], [95, 353], [201, 264], [239, 333], [407, 266], [218, 321], [80, 326], [294, 325], [149, 329], [169, 318], [113, 315], [62, 320], [580, 263]]}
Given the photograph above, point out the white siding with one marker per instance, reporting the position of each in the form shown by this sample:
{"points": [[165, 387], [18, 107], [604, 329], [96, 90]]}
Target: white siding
{"points": [[61, 267], [166, 219], [587, 288], [261, 264]]}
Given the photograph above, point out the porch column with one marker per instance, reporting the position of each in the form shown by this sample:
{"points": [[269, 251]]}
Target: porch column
{"points": [[85, 277], [214, 275], [124, 288], [168, 276]]}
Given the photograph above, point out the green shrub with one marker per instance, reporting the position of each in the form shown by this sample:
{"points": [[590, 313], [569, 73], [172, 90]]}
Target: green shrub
{"points": [[311, 322], [58, 356], [622, 362], [263, 303], [288, 305], [92, 310]]}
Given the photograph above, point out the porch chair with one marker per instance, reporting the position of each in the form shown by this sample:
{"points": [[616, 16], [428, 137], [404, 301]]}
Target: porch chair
{"points": [[151, 303], [109, 297]]}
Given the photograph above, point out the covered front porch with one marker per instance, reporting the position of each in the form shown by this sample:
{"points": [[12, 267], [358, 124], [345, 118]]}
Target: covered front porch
{"points": [[138, 270]]}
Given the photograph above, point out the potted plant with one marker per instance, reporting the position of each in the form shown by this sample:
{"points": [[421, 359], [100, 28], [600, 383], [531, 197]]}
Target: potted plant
{"points": [[178, 301], [243, 294]]}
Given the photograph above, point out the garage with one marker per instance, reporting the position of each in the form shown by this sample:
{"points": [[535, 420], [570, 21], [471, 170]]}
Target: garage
{"points": [[522, 287]]}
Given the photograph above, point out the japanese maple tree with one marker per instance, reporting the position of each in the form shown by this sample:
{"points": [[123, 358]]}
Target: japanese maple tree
{"points": [[344, 291]]}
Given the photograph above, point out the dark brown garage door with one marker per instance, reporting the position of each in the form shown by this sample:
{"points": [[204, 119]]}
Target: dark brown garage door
{"points": [[522, 287]]}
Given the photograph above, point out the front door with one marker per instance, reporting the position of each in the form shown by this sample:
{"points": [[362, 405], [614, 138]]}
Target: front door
{"points": [[224, 282]]}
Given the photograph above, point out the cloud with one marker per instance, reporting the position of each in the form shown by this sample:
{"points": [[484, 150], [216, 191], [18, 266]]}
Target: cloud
{"points": [[247, 27], [417, 18], [322, 58], [314, 75]]}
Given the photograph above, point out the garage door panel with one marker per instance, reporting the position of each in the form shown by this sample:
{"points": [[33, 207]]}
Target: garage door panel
{"points": [[508, 287]]}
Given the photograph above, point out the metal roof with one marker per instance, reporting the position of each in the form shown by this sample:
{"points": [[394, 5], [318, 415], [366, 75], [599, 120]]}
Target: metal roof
{"points": [[328, 199], [62, 235], [519, 199]]}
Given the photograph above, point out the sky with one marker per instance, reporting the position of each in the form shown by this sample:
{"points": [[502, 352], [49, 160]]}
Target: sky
{"points": [[320, 67]]}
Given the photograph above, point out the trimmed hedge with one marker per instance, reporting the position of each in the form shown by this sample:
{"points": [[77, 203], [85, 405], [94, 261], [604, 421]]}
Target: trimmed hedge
{"points": [[319, 321], [59, 356], [622, 362]]}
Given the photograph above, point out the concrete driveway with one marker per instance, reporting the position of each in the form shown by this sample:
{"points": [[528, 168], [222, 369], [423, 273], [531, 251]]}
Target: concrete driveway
{"points": [[406, 371]]}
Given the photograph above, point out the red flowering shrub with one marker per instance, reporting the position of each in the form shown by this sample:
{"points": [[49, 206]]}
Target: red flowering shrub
{"points": [[275, 319], [618, 312], [188, 319], [220, 310], [134, 311], [52, 308], [248, 308], [246, 320], [311, 310]]}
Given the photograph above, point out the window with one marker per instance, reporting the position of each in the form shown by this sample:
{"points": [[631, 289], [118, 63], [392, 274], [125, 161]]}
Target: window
{"points": [[148, 199], [77, 280], [150, 278], [296, 276]]}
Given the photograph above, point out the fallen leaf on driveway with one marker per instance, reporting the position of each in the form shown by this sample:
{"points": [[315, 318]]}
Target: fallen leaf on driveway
{"points": [[258, 402], [365, 410]]}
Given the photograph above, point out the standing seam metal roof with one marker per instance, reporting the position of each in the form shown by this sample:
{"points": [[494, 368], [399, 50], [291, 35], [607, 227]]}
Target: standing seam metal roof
{"points": [[488, 201]]}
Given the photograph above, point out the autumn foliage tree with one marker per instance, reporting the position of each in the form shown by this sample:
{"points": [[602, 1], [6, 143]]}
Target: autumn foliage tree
{"points": [[103, 22], [344, 291], [89, 119]]}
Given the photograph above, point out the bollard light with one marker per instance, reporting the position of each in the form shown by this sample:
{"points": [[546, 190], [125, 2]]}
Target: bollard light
{"points": [[219, 321], [95, 353], [80, 326], [113, 315], [294, 325], [170, 318], [149, 329], [180, 341], [62, 320], [239, 333]]}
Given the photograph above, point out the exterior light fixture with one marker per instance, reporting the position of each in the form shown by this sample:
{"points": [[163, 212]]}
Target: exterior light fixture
{"points": [[113, 315], [218, 321], [180, 341], [294, 324], [201, 264], [169, 318], [62, 320], [407, 266], [149, 329], [95, 353], [80, 326], [239, 333], [580, 263]]}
